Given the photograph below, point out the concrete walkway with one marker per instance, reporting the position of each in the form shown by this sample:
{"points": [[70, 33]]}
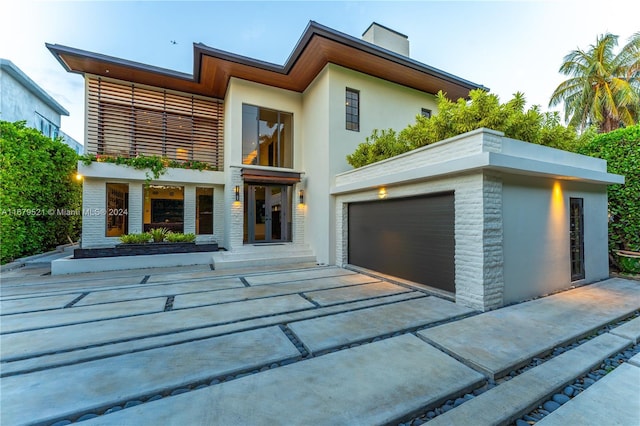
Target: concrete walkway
{"points": [[314, 345]]}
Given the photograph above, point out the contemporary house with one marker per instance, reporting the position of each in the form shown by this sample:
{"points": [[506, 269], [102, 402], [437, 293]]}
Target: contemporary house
{"points": [[447, 216], [22, 99]]}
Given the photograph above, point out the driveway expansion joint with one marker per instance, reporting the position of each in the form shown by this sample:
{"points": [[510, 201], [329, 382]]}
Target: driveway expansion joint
{"points": [[168, 306], [76, 300]]}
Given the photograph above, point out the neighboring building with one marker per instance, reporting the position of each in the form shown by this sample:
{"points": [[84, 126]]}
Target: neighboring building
{"points": [[283, 190], [21, 99]]}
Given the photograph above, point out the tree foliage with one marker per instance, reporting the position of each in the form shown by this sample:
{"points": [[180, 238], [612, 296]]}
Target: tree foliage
{"points": [[454, 118], [37, 188], [604, 87], [621, 149]]}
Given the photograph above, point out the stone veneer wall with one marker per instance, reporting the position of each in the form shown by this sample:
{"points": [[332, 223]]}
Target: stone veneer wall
{"points": [[478, 211], [478, 233], [234, 213]]}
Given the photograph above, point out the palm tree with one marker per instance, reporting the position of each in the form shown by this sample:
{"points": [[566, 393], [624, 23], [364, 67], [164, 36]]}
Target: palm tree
{"points": [[604, 88]]}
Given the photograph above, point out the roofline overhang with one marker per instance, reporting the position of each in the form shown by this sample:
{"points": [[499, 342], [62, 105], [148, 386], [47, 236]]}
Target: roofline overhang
{"points": [[201, 50]]}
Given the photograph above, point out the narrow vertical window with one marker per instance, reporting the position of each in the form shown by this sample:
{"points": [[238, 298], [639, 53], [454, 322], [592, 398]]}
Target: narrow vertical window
{"points": [[352, 108], [204, 211], [426, 113], [576, 238], [117, 209]]}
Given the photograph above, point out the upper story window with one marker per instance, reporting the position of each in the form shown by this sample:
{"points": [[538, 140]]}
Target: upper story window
{"points": [[46, 127], [352, 108], [426, 113], [267, 137]]}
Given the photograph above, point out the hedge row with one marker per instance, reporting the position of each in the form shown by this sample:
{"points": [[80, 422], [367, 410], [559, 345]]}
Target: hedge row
{"points": [[38, 192], [621, 149]]}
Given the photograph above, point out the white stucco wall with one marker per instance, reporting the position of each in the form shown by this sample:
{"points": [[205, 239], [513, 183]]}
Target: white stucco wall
{"points": [[536, 235], [383, 105], [321, 142], [18, 103], [316, 163], [242, 92]]}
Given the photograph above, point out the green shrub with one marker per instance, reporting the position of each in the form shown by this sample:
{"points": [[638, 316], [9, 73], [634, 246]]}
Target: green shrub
{"points": [[454, 118], [40, 199], [135, 238], [621, 149], [180, 238], [158, 234]]}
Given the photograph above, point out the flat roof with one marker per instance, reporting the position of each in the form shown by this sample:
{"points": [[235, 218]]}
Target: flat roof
{"points": [[15, 72], [318, 46]]}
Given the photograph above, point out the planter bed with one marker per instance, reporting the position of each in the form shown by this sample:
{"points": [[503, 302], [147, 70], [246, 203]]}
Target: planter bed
{"points": [[143, 249]]}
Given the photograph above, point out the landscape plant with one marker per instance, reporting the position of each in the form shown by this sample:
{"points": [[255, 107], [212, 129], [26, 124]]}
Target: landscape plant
{"points": [[175, 237], [621, 149], [40, 199], [142, 238], [453, 118], [604, 87], [158, 234]]}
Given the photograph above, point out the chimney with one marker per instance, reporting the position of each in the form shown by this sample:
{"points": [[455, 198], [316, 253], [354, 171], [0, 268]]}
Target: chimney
{"points": [[387, 38]]}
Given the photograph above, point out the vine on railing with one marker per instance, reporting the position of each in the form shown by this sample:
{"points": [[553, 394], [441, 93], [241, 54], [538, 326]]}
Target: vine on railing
{"points": [[154, 164]]}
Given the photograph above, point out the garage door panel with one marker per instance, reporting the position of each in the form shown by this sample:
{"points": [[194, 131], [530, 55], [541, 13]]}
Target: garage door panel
{"points": [[411, 238]]}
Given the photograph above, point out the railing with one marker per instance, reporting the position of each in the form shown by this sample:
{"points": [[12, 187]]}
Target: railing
{"points": [[126, 120]]}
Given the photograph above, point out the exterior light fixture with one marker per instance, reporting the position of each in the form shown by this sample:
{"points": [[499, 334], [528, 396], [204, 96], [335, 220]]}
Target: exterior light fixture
{"points": [[237, 191], [78, 177], [301, 195], [382, 193]]}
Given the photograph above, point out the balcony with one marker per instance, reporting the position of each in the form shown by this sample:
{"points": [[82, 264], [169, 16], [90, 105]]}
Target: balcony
{"points": [[126, 120]]}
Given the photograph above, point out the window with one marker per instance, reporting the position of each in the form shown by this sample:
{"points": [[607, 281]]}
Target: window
{"points": [[576, 238], [426, 113], [204, 211], [352, 108], [117, 209], [46, 127], [267, 137], [164, 208]]}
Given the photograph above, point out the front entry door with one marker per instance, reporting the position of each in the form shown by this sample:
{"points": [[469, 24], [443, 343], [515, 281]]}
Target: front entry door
{"points": [[266, 213]]}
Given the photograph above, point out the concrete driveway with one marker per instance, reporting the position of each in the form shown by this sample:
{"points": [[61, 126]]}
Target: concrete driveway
{"points": [[315, 345]]}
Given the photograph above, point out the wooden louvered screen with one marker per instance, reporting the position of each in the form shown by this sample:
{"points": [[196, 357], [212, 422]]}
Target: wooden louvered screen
{"points": [[126, 120]]}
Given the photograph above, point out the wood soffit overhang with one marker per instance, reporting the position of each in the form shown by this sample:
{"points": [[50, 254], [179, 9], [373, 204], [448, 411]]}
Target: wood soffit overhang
{"points": [[318, 46]]}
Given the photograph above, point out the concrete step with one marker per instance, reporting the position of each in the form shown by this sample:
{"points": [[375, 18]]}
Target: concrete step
{"points": [[532, 329], [264, 255], [510, 400], [376, 383], [154, 371], [613, 400]]}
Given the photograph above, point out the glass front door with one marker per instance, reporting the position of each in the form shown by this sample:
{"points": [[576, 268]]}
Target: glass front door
{"points": [[267, 213]]}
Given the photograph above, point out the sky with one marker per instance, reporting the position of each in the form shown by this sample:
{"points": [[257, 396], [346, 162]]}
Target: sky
{"points": [[507, 46]]}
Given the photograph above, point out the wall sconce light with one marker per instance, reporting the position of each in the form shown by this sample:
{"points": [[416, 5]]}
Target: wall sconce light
{"points": [[382, 193], [237, 191], [301, 195], [78, 177]]}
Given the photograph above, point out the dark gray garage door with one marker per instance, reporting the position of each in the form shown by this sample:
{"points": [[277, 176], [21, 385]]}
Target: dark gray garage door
{"points": [[411, 238]]}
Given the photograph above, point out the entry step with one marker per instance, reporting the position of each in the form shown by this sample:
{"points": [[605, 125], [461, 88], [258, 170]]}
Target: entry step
{"points": [[264, 255]]}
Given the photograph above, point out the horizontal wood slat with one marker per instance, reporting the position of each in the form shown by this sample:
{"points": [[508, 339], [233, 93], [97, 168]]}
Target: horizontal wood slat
{"points": [[126, 120]]}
